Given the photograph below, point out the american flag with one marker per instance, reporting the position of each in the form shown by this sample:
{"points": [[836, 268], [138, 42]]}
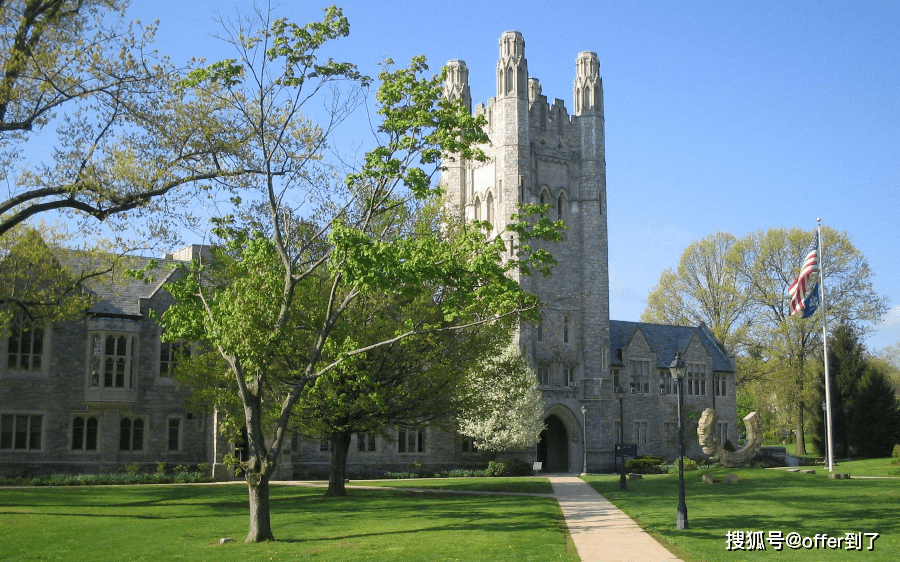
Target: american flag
{"points": [[797, 290]]}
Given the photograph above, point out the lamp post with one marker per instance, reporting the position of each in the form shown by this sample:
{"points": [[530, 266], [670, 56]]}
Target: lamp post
{"points": [[584, 436], [620, 394], [677, 368]]}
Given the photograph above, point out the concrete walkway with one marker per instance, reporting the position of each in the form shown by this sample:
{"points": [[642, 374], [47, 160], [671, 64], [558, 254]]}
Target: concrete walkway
{"points": [[601, 531]]}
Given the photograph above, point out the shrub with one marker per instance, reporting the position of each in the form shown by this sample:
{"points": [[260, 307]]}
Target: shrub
{"points": [[133, 468], [104, 479], [182, 469], [160, 467], [496, 468], [896, 454], [400, 475], [689, 464], [645, 465], [464, 473]]}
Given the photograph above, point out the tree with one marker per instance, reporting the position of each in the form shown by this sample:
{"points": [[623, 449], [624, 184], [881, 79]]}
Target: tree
{"points": [[788, 344], [501, 406], [93, 127], [875, 425], [272, 300], [740, 289], [126, 137], [704, 289], [864, 408], [411, 382], [847, 365], [888, 362], [44, 280]]}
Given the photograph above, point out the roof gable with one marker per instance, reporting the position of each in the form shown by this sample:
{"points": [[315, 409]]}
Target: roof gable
{"points": [[665, 340]]}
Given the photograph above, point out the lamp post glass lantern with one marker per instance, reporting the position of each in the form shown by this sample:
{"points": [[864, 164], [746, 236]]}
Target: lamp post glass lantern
{"points": [[677, 368]]}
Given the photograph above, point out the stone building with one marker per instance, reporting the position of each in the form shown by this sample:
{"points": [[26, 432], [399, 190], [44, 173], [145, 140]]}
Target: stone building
{"points": [[540, 153], [95, 394]]}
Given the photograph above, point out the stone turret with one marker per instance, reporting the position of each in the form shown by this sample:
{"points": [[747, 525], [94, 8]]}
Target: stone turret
{"points": [[588, 84], [512, 68], [456, 85]]}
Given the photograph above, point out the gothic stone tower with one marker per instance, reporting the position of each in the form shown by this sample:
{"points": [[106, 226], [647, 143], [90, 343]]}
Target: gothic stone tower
{"points": [[541, 154]]}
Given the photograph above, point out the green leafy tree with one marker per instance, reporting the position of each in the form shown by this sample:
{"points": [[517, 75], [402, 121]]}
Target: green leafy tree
{"points": [[126, 135], [788, 345], [92, 128], [273, 299], [739, 288], [43, 279], [704, 288], [888, 362], [411, 382]]}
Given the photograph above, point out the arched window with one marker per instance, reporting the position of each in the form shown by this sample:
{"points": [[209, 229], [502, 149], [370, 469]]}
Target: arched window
{"points": [[566, 329], [477, 209], [560, 207], [131, 435], [84, 434], [489, 209], [509, 80], [540, 329]]}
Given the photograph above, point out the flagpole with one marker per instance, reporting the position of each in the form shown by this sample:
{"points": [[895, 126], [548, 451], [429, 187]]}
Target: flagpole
{"points": [[828, 432]]}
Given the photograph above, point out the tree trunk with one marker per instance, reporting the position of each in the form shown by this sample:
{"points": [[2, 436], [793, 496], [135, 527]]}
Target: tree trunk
{"points": [[801, 442], [260, 522], [340, 446]]}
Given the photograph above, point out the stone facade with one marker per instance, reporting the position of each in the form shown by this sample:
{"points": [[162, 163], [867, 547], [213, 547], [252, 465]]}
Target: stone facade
{"points": [[62, 412], [96, 394], [539, 153]]}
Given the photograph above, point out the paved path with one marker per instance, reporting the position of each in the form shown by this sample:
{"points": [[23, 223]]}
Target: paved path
{"points": [[601, 531]]}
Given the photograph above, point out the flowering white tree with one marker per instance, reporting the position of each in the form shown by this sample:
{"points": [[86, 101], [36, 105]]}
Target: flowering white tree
{"points": [[502, 408]]}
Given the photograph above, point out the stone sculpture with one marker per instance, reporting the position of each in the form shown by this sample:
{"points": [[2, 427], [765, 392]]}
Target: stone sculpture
{"points": [[716, 451]]}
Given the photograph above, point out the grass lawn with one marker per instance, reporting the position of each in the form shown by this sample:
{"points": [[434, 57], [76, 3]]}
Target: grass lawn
{"points": [[867, 467], [763, 500], [119, 523], [527, 485]]}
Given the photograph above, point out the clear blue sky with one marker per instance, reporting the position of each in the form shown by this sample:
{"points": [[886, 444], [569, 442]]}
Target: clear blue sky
{"points": [[731, 116]]}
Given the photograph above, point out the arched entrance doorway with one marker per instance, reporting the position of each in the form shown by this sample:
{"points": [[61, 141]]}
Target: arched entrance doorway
{"points": [[553, 448]]}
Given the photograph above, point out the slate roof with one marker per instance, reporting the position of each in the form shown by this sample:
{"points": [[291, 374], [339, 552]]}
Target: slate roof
{"points": [[122, 296], [665, 341]]}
